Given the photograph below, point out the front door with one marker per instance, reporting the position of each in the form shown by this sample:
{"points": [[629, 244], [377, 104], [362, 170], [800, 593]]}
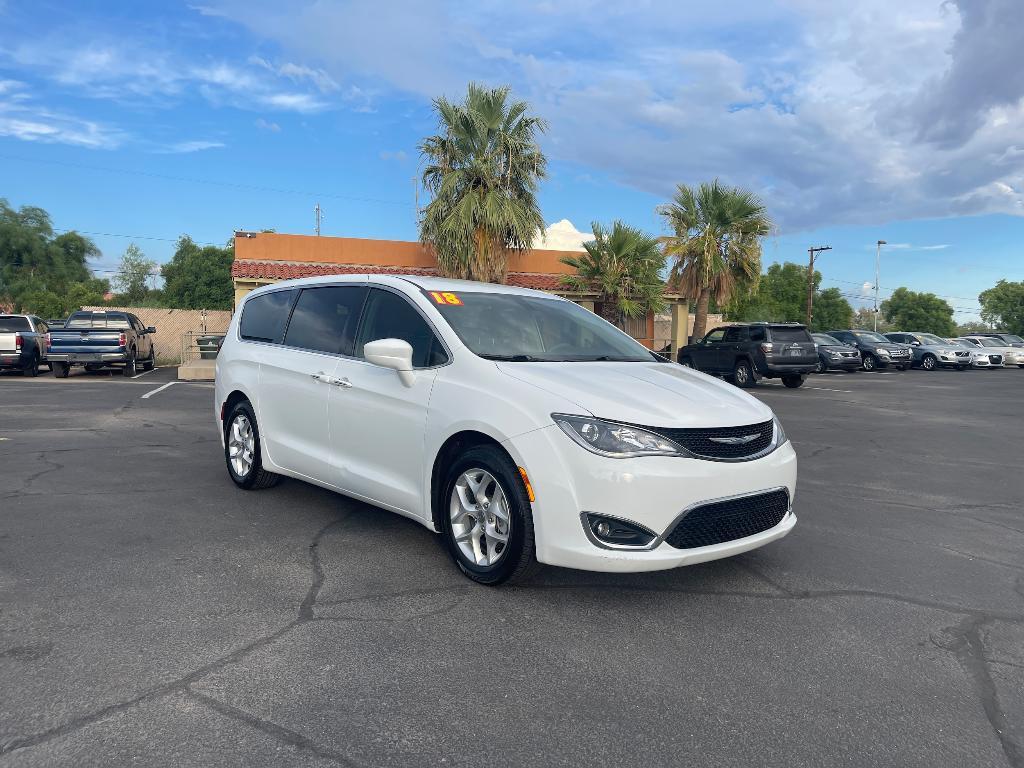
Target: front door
{"points": [[705, 353], [378, 424]]}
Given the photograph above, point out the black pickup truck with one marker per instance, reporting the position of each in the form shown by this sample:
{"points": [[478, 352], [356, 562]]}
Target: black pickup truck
{"points": [[753, 351], [102, 340]]}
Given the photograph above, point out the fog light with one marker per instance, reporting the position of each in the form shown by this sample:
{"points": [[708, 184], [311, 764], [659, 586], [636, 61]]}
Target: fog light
{"points": [[617, 533]]}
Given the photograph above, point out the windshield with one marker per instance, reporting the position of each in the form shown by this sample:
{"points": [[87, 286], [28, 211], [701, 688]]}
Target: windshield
{"points": [[871, 336], [1012, 339], [985, 341], [930, 338], [824, 338], [517, 328], [959, 343], [14, 325]]}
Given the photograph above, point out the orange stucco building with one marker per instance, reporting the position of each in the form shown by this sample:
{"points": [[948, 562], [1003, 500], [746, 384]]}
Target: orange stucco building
{"points": [[262, 258]]}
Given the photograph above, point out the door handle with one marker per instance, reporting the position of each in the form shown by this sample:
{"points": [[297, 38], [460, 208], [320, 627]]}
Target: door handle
{"points": [[321, 376], [343, 383]]}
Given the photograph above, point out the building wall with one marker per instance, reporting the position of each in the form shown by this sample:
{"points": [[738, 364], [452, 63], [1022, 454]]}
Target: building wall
{"points": [[172, 324]]}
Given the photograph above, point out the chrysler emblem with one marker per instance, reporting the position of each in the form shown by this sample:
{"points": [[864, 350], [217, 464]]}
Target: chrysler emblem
{"points": [[743, 440]]}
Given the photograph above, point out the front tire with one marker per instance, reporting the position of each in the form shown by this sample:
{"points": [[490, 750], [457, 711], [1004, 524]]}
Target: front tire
{"points": [[822, 365], [793, 381], [743, 375], [929, 362], [150, 362], [487, 519], [242, 450], [687, 362], [870, 362]]}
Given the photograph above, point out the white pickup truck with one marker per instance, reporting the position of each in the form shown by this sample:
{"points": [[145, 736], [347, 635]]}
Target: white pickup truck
{"points": [[24, 343]]}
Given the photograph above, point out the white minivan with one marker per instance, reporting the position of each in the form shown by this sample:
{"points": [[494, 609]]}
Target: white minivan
{"points": [[520, 426]]}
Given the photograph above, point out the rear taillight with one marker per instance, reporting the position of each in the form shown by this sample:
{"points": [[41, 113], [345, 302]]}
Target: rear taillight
{"points": [[123, 340], [17, 341], [766, 347], [49, 342]]}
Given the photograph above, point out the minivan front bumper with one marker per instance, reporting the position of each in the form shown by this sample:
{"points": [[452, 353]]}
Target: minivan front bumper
{"points": [[652, 491]]}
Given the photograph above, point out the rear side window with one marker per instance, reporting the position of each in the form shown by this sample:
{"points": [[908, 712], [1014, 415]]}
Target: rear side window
{"points": [[264, 317], [325, 319], [735, 334], [790, 333], [14, 325], [389, 316], [757, 333]]}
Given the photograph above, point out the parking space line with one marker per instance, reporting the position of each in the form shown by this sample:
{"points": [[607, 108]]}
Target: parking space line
{"points": [[145, 373], [158, 389]]}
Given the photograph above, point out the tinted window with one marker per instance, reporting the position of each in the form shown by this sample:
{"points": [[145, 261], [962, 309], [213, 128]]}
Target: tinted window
{"points": [[14, 325], [389, 316], [263, 317], [824, 338], [112, 320], [790, 333], [325, 319], [734, 334], [757, 333], [715, 336]]}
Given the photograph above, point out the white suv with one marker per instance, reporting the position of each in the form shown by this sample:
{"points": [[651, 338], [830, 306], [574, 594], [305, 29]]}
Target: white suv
{"points": [[519, 425]]}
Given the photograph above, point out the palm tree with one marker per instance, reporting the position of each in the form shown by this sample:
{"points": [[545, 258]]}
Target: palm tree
{"points": [[482, 173], [716, 243], [624, 267]]}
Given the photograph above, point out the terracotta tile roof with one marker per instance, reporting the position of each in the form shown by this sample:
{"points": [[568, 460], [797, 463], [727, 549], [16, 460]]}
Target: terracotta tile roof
{"points": [[276, 270]]}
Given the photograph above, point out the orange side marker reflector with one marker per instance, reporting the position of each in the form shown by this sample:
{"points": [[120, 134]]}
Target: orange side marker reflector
{"points": [[526, 482]]}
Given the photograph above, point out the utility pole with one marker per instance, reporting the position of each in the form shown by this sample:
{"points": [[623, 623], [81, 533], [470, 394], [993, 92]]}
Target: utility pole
{"points": [[318, 211], [810, 278], [878, 258]]}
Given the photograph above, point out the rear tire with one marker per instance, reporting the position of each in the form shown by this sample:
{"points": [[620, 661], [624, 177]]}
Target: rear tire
{"points": [[32, 369], [130, 368], [743, 375], [793, 381], [61, 370], [243, 450], [516, 558]]}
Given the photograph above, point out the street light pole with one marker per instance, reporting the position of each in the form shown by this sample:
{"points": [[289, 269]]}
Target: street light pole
{"points": [[810, 278], [878, 257]]}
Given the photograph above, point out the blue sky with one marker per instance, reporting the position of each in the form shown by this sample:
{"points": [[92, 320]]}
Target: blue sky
{"points": [[853, 120]]}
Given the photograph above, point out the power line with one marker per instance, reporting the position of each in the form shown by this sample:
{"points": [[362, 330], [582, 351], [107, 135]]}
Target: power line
{"points": [[890, 290], [192, 180], [131, 237]]}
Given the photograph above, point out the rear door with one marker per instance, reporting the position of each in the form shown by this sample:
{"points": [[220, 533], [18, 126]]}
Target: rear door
{"points": [[378, 424], [732, 344]]}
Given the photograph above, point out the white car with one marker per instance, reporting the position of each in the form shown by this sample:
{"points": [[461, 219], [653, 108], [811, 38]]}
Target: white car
{"points": [[520, 426], [980, 358], [1011, 356]]}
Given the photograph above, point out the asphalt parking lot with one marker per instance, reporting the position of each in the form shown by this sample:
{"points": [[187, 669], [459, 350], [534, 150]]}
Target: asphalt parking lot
{"points": [[153, 614]]}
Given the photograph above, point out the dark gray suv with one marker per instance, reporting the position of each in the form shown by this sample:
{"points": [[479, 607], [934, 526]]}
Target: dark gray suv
{"points": [[752, 351], [876, 351]]}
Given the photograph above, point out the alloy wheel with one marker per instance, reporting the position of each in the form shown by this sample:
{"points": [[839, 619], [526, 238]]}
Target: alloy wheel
{"points": [[480, 517], [241, 445], [928, 363]]}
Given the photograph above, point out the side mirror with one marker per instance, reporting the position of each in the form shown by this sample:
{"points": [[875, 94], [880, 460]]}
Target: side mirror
{"points": [[915, 343], [151, 329], [395, 354]]}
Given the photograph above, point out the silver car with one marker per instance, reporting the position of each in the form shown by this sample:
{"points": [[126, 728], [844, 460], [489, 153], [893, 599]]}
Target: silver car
{"points": [[1012, 356], [980, 357], [931, 352]]}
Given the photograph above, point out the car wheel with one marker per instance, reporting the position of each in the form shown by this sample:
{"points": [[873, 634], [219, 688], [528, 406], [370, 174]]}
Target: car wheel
{"points": [[32, 369], [870, 362], [129, 369], [242, 450], [822, 365], [61, 370], [150, 362], [929, 362], [687, 362], [742, 375], [487, 518], [793, 381]]}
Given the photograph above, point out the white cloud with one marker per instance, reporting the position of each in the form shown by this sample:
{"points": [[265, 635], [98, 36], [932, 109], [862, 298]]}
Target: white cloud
{"points": [[21, 117], [563, 236], [266, 125], [184, 147]]}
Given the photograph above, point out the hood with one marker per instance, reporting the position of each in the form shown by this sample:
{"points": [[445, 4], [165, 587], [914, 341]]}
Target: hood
{"points": [[887, 345], [651, 394]]}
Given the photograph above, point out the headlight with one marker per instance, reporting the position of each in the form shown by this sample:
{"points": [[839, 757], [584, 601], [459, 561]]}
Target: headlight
{"points": [[780, 434], [833, 354], [616, 440], [883, 353]]}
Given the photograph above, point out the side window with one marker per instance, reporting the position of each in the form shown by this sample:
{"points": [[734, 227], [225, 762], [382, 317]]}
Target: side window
{"points": [[325, 319], [734, 334], [757, 333], [41, 327], [714, 337], [389, 316], [264, 317]]}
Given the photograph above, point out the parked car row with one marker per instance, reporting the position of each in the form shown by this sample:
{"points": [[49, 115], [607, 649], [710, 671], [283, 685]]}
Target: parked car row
{"points": [[747, 352], [94, 340]]}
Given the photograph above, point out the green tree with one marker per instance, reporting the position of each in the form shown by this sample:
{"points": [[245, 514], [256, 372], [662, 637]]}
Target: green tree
{"points": [[132, 275], [864, 319], [482, 174], [623, 265], [716, 242], [830, 311], [972, 326], [199, 278], [1003, 306], [908, 310]]}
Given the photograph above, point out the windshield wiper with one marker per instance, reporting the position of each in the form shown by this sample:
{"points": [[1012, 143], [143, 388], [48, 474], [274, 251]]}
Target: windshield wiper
{"points": [[515, 358]]}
